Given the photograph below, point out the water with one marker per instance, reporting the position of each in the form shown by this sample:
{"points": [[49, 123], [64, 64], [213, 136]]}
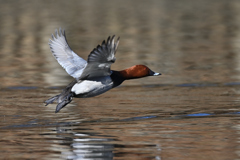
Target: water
{"points": [[189, 112]]}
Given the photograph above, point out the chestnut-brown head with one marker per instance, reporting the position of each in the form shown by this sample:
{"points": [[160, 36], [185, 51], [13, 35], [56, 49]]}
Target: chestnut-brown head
{"points": [[138, 71]]}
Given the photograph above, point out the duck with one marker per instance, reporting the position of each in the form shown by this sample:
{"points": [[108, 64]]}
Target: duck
{"points": [[94, 76]]}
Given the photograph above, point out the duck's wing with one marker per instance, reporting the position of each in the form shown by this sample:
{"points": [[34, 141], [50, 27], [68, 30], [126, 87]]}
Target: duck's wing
{"points": [[70, 61], [100, 60]]}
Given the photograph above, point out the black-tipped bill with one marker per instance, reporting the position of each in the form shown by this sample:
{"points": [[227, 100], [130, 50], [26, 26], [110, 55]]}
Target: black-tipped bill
{"points": [[151, 73]]}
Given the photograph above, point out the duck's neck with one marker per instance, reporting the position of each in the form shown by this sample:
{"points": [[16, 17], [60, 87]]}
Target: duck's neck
{"points": [[119, 76]]}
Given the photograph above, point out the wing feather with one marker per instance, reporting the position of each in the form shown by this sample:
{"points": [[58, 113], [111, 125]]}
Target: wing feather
{"points": [[100, 59], [70, 61]]}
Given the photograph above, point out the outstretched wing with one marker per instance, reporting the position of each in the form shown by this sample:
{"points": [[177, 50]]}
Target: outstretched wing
{"points": [[70, 61], [100, 60]]}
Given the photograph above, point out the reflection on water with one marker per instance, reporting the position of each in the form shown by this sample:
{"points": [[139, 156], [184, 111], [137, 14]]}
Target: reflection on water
{"points": [[189, 112], [82, 146]]}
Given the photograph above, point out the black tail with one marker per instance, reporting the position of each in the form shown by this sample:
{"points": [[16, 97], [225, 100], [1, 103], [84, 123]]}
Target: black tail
{"points": [[64, 98]]}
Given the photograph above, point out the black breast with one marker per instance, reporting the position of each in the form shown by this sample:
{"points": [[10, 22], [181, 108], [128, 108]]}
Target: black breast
{"points": [[116, 78]]}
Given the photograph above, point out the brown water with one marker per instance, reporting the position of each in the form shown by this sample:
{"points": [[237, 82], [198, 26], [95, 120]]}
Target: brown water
{"points": [[190, 112]]}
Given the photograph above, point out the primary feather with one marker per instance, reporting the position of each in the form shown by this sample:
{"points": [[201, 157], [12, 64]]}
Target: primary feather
{"points": [[100, 60]]}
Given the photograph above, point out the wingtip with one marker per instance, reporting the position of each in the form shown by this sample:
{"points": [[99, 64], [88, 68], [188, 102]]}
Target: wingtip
{"points": [[53, 37], [103, 42], [108, 40], [64, 33], [56, 33], [60, 32], [116, 44]]}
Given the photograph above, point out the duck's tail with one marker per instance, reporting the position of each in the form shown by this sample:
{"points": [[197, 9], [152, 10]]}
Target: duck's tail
{"points": [[64, 98]]}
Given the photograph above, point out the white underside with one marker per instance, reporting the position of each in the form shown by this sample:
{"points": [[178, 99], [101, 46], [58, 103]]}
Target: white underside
{"points": [[90, 88]]}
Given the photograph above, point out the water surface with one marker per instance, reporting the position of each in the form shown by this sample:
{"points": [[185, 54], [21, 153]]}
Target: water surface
{"points": [[189, 112]]}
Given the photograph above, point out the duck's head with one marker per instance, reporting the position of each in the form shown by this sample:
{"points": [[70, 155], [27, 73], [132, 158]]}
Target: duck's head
{"points": [[138, 71]]}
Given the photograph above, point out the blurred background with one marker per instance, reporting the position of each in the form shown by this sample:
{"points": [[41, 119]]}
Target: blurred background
{"points": [[187, 41], [191, 111]]}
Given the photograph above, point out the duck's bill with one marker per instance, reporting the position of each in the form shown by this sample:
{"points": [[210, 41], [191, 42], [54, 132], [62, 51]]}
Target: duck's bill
{"points": [[156, 74], [151, 73]]}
